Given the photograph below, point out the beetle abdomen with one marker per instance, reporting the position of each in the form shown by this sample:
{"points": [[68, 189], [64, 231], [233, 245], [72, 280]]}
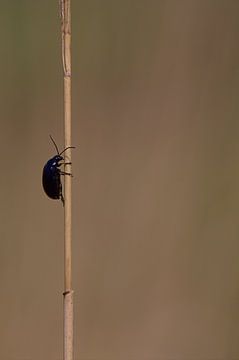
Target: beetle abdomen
{"points": [[51, 181]]}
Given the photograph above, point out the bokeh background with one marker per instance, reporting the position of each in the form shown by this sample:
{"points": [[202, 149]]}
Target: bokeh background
{"points": [[156, 178]]}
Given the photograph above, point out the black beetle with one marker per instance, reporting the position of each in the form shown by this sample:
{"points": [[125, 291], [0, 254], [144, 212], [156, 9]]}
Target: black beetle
{"points": [[51, 175]]}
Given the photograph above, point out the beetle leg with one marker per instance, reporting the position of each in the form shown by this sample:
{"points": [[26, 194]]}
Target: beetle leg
{"points": [[65, 173], [65, 163]]}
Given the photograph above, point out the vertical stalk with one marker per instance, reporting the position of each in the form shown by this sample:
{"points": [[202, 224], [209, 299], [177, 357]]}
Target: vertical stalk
{"points": [[68, 292]]}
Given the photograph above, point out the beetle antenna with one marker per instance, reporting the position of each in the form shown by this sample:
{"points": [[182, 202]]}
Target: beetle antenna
{"points": [[68, 147], [54, 144]]}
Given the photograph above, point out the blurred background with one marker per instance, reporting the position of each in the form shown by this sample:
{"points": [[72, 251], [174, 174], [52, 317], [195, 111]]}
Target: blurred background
{"points": [[155, 187]]}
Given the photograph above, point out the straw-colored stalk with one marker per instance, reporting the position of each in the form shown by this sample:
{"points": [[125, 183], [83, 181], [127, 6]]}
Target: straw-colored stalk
{"points": [[68, 292]]}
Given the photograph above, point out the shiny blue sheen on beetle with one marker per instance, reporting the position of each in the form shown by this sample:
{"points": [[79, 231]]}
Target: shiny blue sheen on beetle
{"points": [[51, 175]]}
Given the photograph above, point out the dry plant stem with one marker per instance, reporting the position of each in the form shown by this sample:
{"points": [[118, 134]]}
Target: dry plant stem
{"points": [[68, 292]]}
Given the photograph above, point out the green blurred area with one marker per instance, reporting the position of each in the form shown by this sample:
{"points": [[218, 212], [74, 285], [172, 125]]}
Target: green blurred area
{"points": [[155, 187]]}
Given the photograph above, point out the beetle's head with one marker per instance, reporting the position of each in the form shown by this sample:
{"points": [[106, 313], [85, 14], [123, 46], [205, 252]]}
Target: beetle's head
{"points": [[57, 158]]}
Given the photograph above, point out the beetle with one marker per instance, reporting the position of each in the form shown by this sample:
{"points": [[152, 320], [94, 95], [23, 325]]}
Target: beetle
{"points": [[51, 175]]}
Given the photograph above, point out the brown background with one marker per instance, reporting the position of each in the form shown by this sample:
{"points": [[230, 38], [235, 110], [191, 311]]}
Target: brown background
{"points": [[156, 178]]}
